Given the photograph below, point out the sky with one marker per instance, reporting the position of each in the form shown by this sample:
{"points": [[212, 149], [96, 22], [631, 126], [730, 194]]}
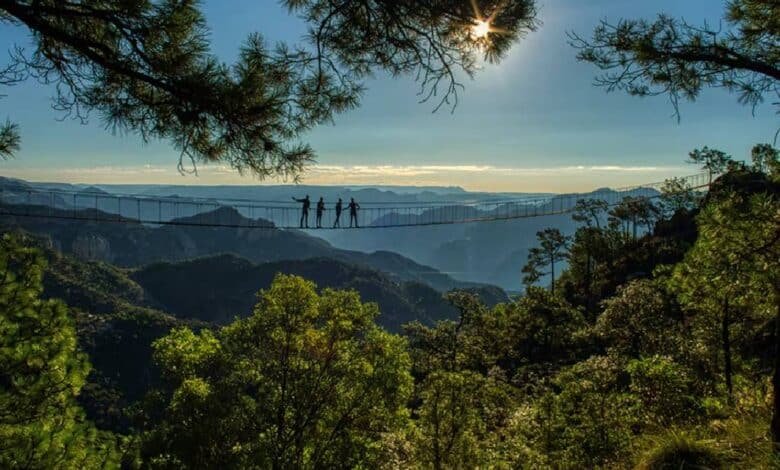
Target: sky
{"points": [[533, 123]]}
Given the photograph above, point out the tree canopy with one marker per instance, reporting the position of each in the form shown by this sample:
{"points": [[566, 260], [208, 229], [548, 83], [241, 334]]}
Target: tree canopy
{"points": [[41, 373], [553, 248], [145, 67], [672, 57], [308, 381]]}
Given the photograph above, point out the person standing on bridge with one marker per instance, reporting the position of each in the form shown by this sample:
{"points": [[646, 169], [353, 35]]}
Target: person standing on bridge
{"points": [[353, 211], [304, 210], [320, 210], [337, 223]]}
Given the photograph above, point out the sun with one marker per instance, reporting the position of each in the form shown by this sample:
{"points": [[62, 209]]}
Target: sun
{"points": [[480, 29]]}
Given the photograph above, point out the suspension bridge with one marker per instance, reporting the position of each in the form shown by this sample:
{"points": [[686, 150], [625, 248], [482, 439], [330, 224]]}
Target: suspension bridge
{"points": [[286, 215]]}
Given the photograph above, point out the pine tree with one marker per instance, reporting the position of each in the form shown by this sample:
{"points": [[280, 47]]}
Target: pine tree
{"points": [[41, 373]]}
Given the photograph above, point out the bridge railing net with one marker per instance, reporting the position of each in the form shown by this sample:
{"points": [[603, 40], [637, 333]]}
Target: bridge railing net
{"points": [[237, 213]]}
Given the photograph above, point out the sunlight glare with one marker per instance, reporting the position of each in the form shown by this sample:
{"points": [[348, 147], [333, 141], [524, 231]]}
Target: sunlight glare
{"points": [[481, 29]]}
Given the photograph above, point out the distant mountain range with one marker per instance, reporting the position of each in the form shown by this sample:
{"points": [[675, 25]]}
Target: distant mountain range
{"points": [[131, 244], [441, 256], [366, 194], [488, 252]]}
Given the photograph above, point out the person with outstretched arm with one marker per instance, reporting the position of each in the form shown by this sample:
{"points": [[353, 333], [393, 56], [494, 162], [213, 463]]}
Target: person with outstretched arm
{"points": [[304, 210], [337, 223], [320, 210], [353, 211]]}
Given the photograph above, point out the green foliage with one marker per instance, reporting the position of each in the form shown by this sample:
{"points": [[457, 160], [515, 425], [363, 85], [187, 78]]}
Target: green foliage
{"points": [[41, 425], [741, 232], [543, 330], [665, 389], [465, 400], [602, 260], [553, 248], [729, 279], [712, 160], [516, 341], [535, 435], [9, 139], [731, 274], [678, 450], [672, 57], [737, 441], [744, 231], [451, 426], [456, 345], [591, 251], [115, 327], [597, 410], [92, 287], [766, 159], [744, 441], [307, 381], [639, 321], [590, 211], [631, 213], [677, 195]]}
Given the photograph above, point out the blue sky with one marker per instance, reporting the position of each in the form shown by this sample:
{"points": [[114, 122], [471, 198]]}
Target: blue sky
{"points": [[532, 123]]}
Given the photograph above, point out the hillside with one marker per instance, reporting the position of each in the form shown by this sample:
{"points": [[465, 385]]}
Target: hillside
{"points": [[120, 313], [115, 328], [132, 244], [218, 289]]}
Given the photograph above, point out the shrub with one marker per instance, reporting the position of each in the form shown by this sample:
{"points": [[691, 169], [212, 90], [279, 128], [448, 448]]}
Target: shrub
{"points": [[664, 389], [678, 451]]}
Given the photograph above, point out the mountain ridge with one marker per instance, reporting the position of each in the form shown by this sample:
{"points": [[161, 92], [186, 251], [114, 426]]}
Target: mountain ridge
{"points": [[133, 244]]}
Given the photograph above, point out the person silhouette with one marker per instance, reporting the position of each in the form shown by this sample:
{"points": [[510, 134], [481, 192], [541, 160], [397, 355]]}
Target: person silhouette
{"points": [[339, 206], [304, 210], [320, 210], [353, 208]]}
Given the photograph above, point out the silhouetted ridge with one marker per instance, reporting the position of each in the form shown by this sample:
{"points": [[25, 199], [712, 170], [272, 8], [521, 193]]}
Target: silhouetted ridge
{"points": [[220, 288], [94, 190], [223, 216], [10, 184]]}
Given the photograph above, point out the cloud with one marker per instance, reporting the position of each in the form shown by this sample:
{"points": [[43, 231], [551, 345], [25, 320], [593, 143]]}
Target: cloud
{"points": [[418, 170], [108, 170], [472, 177], [397, 170], [619, 168]]}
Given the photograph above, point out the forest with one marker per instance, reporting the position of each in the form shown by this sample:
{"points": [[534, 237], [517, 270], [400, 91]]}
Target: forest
{"points": [[653, 348], [648, 339]]}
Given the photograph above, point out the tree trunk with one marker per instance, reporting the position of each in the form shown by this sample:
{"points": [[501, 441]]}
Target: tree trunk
{"points": [[547, 424], [587, 285], [776, 380], [726, 340], [552, 269], [437, 457]]}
